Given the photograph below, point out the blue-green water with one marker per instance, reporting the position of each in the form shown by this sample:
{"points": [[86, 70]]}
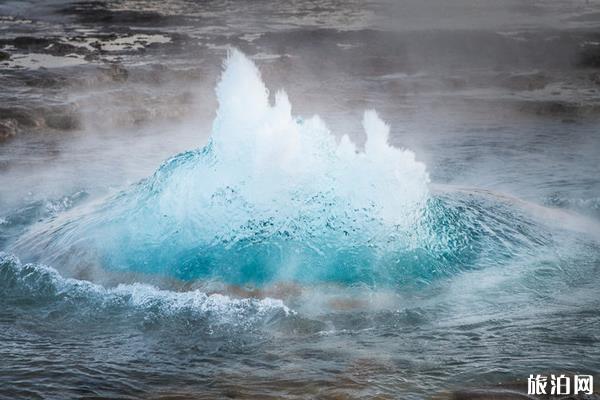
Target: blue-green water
{"points": [[150, 249], [281, 261]]}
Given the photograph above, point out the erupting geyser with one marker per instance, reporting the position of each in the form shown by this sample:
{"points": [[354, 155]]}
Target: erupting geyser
{"points": [[273, 197]]}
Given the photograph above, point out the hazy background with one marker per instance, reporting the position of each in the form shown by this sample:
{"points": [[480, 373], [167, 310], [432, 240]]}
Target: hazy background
{"points": [[101, 91]]}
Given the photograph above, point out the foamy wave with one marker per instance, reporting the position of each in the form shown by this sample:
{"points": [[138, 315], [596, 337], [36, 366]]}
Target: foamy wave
{"points": [[43, 285]]}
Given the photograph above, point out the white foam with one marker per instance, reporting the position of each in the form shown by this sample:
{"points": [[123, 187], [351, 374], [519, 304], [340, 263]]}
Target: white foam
{"points": [[33, 280], [275, 161]]}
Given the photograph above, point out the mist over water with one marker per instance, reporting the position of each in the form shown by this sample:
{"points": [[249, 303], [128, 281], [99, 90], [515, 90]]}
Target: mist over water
{"points": [[378, 200]]}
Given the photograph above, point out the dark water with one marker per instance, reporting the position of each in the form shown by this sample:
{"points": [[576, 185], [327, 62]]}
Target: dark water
{"points": [[267, 267]]}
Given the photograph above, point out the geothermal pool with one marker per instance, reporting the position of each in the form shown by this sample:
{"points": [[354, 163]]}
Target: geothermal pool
{"points": [[367, 199], [282, 260]]}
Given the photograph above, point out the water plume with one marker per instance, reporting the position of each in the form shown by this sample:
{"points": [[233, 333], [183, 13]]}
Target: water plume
{"points": [[271, 197]]}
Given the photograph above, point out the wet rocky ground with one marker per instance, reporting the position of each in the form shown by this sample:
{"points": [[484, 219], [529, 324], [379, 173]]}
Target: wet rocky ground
{"points": [[66, 66]]}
